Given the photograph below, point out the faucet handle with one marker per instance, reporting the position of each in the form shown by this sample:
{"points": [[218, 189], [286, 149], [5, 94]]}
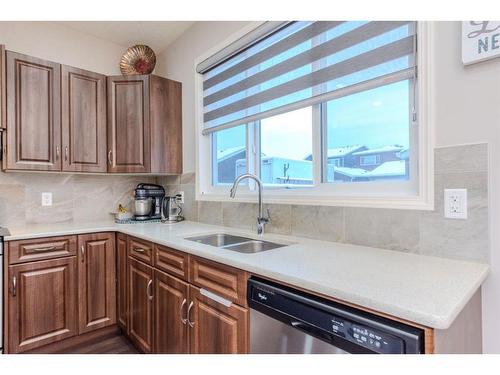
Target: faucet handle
{"points": [[268, 214]]}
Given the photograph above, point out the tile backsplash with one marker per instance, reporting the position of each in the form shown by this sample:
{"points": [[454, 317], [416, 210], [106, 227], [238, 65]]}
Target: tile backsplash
{"points": [[75, 197], [424, 232]]}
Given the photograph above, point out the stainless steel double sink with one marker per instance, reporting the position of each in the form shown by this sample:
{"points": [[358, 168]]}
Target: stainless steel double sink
{"points": [[236, 243]]}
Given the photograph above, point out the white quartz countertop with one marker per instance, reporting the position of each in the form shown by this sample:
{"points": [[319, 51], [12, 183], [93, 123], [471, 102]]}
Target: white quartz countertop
{"points": [[426, 290]]}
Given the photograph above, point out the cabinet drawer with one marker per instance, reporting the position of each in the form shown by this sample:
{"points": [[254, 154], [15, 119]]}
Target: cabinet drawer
{"points": [[141, 250], [41, 248], [227, 282], [171, 261]]}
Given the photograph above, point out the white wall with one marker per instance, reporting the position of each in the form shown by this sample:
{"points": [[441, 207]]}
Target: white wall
{"points": [[178, 62], [61, 44], [467, 111]]}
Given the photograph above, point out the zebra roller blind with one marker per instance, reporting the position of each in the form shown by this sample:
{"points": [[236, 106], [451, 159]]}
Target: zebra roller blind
{"points": [[299, 64]]}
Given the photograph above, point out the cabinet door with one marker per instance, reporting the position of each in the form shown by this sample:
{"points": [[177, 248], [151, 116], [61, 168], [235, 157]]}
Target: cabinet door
{"points": [[33, 113], [216, 329], [140, 325], [42, 303], [96, 281], [170, 324], [83, 110], [121, 255], [128, 124]]}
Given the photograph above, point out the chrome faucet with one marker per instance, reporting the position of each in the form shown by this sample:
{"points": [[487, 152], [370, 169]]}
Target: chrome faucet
{"points": [[261, 220]]}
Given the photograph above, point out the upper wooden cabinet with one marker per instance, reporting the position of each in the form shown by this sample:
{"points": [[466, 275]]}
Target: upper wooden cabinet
{"points": [[144, 125], [83, 98], [33, 113]]}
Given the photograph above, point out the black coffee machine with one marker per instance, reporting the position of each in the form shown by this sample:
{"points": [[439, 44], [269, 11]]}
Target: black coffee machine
{"points": [[148, 199]]}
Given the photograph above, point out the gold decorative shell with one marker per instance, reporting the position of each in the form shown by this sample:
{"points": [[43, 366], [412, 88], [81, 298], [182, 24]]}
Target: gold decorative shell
{"points": [[138, 59]]}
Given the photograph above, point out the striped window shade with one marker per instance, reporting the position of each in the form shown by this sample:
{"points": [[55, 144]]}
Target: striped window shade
{"points": [[283, 66]]}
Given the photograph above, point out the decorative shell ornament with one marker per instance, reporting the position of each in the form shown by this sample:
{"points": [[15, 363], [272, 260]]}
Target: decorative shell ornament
{"points": [[138, 59]]}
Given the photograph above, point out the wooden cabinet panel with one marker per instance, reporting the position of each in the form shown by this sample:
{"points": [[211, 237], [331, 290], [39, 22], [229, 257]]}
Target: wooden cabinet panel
{"points": [[83, 100], [141, 250], [170, 324], [121, 255], [33, 113], [96, 281], [171, 261], [217, 329], [42, 303], [166, 125], [128, 124], [140, 325], [41, 248], [228, 282], [2, 88]]}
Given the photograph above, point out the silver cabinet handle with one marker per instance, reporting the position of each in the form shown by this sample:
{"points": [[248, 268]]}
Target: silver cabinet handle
{"points": [[110, 159], [138, 249], [14, 286], [183, 320], [43, 249], [191, 324], [66, 153], [82, 251], [57, 152], [148, 289]]}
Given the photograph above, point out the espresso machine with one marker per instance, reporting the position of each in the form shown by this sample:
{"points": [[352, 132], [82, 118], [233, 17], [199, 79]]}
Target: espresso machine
{"points": [[148, 200]]}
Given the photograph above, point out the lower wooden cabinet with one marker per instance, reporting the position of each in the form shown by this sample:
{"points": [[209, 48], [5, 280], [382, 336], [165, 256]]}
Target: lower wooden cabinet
{"points": [[96, 281], [42, 303], [121, 270], [216, 328], [140, 297], [170, 323]]}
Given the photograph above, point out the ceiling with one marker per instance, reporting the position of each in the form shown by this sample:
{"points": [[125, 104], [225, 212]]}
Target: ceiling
{"points": [[156, 34]]}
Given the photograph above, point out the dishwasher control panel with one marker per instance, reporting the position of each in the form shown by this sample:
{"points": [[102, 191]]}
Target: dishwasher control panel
{"points": [[352, 329]]}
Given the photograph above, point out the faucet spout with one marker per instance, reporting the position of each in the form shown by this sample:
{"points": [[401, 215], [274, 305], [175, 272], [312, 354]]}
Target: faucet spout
{"points": [[261, 220]]}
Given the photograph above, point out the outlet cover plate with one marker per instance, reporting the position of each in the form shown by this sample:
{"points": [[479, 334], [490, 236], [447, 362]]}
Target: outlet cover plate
{"points": [[455, 203], [46, 199]]}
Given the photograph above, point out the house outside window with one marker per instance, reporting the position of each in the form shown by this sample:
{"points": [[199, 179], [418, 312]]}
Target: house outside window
{"points": [[291, 109]]}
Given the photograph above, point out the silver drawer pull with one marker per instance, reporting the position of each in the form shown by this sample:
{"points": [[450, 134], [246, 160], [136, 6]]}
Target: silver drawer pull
{"points": [[14, 286], [110, 157], [82, 251], [149, 292], [191, 324], [183, 320], [42, 249], [139, 250]]}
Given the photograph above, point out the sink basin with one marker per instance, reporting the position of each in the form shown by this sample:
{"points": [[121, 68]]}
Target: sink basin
{"points": [[235, 243]]}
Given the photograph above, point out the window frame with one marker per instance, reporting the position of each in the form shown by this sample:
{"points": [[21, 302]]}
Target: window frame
{"points": [[416, 193]]}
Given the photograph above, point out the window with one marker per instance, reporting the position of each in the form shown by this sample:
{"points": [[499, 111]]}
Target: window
{"points": [[312, 108]]}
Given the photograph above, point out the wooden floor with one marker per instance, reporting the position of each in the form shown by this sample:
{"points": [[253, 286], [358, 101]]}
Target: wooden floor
{"points": [[116, 344]]}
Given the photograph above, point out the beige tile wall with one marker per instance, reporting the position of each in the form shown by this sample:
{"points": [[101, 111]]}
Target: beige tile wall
{"points": [[76, 198], [424, 232]]}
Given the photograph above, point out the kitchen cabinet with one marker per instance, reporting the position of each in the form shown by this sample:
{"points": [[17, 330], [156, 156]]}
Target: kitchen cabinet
{"points": [[33, 102], [42, 303], [140, 297], [144, 125], [121, 268], [216, 328], [170, 324], [96, 281], [83, 108], [2, 89]]}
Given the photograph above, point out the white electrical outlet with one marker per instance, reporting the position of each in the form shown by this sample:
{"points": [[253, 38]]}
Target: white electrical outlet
{"points": [[180, 197], [455, 203], [46, 199]]}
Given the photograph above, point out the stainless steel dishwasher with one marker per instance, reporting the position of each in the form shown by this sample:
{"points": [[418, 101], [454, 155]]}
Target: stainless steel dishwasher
{"points": [[285, 320]]}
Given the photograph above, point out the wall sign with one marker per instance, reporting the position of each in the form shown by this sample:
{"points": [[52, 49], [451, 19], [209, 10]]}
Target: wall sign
{"points": [[480, 41]]}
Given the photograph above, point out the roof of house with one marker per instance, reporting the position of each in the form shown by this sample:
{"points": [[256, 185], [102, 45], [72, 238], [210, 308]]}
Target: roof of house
{"points": [[339, 151], [229, 152], [351, 172], [394, 148], [389, 169]]}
